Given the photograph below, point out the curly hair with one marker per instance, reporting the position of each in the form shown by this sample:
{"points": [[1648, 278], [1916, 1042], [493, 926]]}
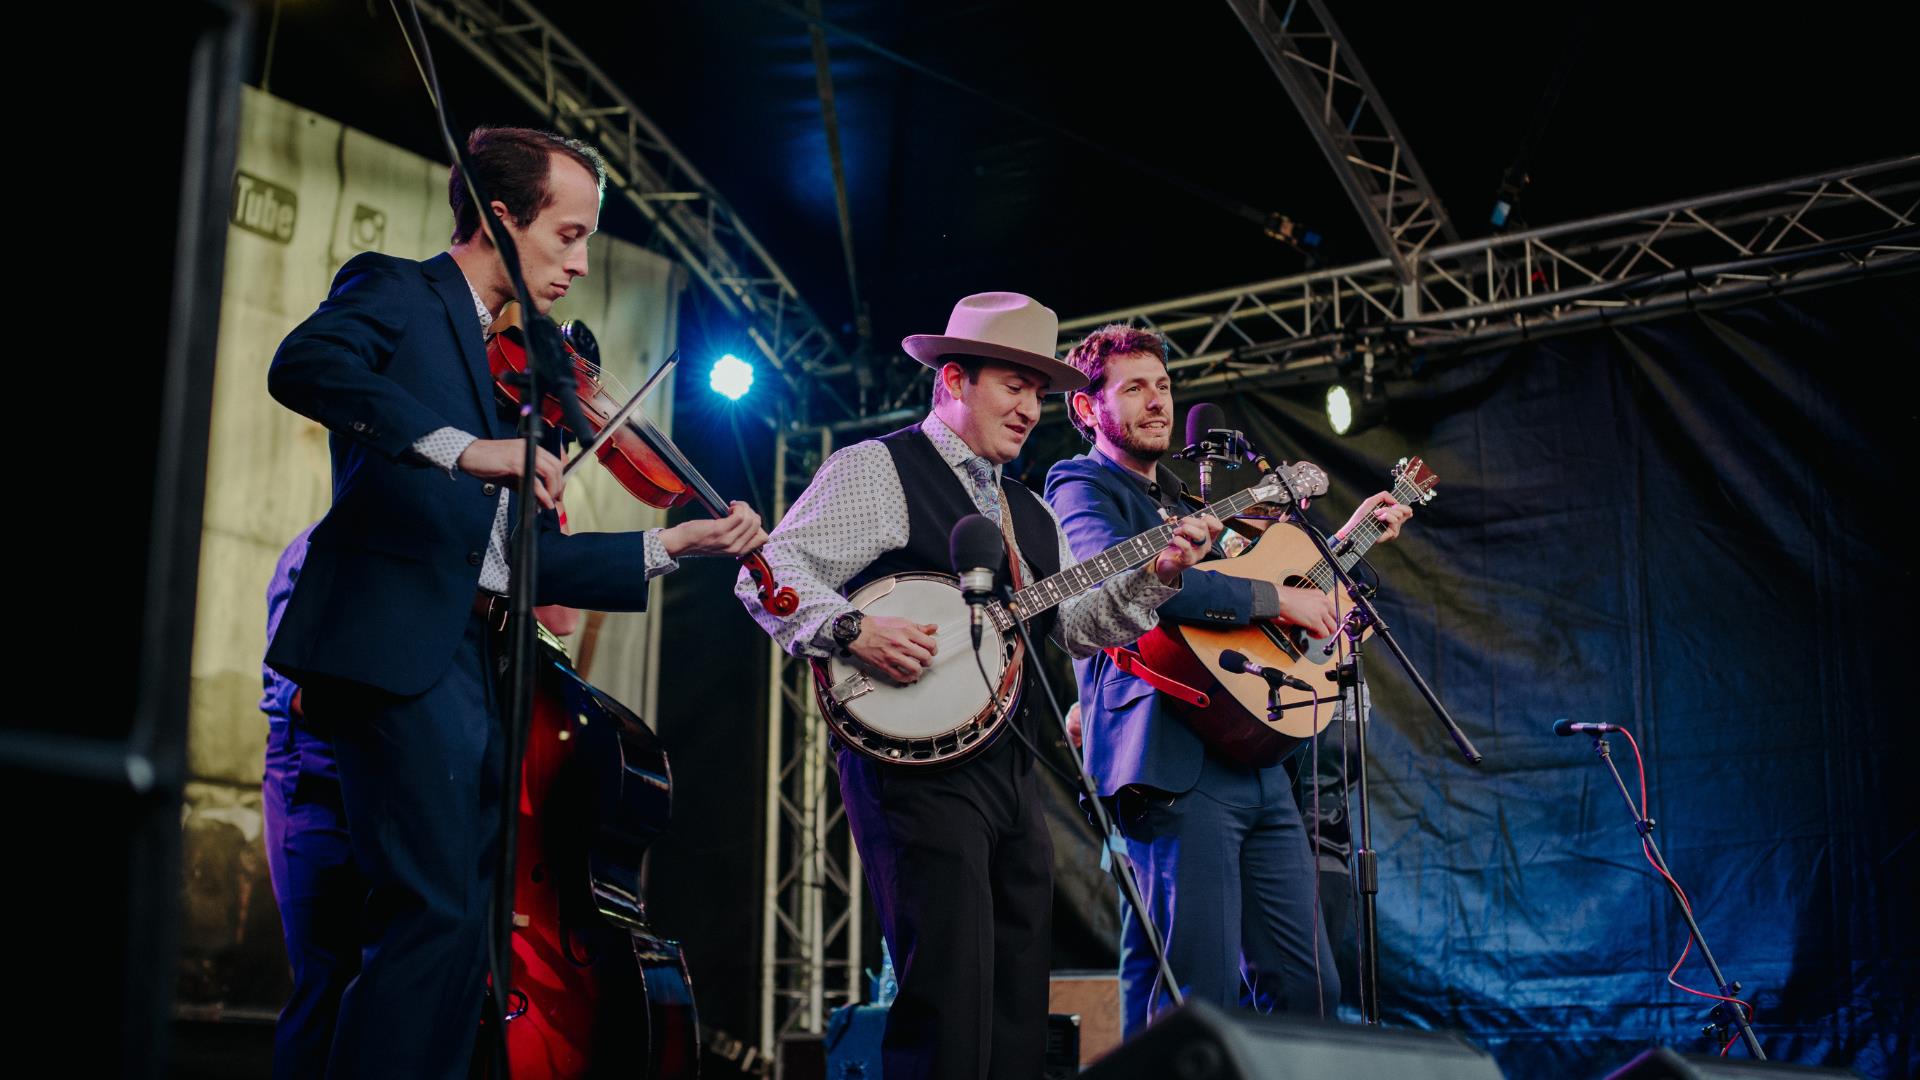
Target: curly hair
{"points": [[1093, 352]]}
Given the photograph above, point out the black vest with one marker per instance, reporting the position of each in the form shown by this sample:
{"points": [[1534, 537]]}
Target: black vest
{"points": [[936, 501]]}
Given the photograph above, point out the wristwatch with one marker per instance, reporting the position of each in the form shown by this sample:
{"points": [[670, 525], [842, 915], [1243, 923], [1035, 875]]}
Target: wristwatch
{"points": [[847, 627]]}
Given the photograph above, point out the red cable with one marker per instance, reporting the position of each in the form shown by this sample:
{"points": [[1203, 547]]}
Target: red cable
{"points": [[1646, 849]]}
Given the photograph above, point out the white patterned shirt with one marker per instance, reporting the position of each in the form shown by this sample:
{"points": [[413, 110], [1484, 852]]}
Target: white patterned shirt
{"points": [[855, 511], [443, 447]]}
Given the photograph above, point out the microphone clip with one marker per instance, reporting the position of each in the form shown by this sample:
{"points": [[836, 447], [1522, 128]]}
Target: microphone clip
{"points": [[1217, 446], [1221, 446]]}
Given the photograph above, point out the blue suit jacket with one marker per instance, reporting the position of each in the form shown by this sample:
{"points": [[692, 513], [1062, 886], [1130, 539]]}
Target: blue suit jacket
{"points": [[1131, 736], [394, 353]]}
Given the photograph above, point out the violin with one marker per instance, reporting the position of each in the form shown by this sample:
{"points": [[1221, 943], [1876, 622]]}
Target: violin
{"points": [[640, 457]]}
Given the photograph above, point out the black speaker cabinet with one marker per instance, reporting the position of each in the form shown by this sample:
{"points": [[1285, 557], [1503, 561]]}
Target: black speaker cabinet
{"points": [[1201, 1042]]}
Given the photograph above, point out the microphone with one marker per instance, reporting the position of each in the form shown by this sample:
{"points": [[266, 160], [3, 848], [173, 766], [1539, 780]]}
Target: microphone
{"points": [[1201, 419], [976, 549], [1563, 726], [1236, 661]]}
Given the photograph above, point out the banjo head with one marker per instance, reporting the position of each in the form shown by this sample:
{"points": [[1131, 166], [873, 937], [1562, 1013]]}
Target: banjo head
{"points": [[945, 715]]}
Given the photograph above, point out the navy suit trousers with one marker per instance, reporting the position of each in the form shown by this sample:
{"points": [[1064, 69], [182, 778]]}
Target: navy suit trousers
{"points": [[1228, 878], [420, 782]]}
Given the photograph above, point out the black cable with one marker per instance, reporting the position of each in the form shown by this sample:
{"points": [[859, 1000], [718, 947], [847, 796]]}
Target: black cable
{"points": [[544, 366], [1013, 722]]}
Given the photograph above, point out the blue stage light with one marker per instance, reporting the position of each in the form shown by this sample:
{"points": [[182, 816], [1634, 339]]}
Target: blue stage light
{"points": [[731, 377]]}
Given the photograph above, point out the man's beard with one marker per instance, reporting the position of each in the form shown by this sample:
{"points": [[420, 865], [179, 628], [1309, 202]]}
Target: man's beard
{"points": [[1118, 435]]}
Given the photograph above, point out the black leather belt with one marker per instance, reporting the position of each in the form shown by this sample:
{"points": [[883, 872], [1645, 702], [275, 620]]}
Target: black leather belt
{"points": [[492, 609]]}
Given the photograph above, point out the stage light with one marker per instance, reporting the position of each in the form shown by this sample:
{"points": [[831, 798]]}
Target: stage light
{"points": [[731, 377], [1356, 401]]}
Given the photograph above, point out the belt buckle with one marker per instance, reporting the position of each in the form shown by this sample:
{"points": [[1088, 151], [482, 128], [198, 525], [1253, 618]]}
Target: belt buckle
{"points": [[497, 611]]}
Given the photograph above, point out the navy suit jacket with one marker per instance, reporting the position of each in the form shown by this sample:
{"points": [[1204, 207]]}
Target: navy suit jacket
{"points": [[1131, 736], [394, 353]]}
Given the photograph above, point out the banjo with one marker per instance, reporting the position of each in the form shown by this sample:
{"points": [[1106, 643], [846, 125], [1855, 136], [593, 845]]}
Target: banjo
{"points": [[958, 706]]}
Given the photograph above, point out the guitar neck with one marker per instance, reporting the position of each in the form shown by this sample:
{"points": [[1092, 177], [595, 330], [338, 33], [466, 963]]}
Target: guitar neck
{"points": [[1363, 536], [1049, 593]]}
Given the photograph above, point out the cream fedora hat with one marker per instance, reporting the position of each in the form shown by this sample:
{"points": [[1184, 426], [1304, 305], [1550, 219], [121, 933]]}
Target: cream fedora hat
{"points": [[1005, 326]]}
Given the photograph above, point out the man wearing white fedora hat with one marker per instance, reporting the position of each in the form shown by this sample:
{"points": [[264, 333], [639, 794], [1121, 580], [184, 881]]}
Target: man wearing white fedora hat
{"points": [[960, 859]]}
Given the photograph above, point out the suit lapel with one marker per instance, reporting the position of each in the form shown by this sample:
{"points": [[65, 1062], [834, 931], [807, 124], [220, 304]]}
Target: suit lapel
{"points": [[455, 295]]}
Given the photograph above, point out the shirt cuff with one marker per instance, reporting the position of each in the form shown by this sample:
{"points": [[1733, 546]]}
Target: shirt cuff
{"points": [[657, 559], [822, 640], [1266, 600], [443, 447], [1142, 588]]}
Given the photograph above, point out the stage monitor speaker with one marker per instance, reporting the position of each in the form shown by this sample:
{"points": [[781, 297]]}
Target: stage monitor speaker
{"points": [[1661, 1063], [854, 1033], [1201, 1042]]}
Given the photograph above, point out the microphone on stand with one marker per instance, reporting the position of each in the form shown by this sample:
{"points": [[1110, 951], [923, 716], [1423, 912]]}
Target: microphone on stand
{"points": [[1564, 726], [977, 549], [1236, 661], [1203, 419]]}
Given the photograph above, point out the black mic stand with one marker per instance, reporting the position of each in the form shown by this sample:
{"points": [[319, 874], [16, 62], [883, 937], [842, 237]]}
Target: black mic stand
{"points": [[1353, 672], [545, 366], [1115, 857], [1644, 826]]}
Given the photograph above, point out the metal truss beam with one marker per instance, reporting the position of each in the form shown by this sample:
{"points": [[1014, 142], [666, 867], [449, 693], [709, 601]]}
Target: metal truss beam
{"points": [[552, 75], [811, 884], [1785, 236], [1322, 74]]}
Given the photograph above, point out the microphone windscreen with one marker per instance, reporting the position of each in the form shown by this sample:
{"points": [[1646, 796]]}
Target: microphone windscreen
{"points": [[975, 544], [1202, 418]]}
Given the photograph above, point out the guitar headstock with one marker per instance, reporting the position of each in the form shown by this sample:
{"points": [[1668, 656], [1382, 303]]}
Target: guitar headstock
{"points": [[1306, 479], [1413, 482]]}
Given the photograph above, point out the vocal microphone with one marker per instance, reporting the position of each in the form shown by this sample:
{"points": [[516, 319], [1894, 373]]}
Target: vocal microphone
{"points": [[1210, 440], [976, 548]]}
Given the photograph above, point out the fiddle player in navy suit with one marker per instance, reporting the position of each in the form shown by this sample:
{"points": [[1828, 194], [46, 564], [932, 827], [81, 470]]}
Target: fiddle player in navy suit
{"points": [[1220, 848], [392, 629]]}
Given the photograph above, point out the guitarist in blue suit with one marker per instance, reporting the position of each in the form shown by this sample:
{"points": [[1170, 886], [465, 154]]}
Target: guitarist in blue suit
{"points": [[393, 630], [1220, 848]]}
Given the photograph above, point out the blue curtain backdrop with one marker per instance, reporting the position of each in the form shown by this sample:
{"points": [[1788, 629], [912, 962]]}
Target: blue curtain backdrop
{"points": [[1697, 528]]}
